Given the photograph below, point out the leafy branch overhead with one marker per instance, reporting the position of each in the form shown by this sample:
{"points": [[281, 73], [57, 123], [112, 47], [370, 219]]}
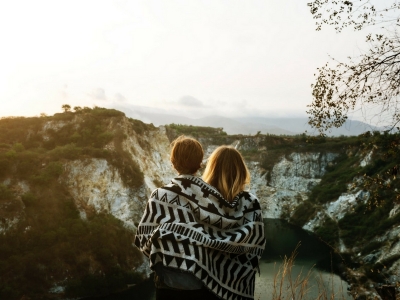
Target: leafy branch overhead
{"points": [[369, 82]]}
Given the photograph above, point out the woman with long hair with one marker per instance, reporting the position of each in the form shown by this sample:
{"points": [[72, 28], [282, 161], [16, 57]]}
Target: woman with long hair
{"points": [[227, 172], [204, 238]]}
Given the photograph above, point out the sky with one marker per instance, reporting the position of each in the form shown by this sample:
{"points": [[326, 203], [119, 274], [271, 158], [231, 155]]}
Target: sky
{"points": [[190, 57]]}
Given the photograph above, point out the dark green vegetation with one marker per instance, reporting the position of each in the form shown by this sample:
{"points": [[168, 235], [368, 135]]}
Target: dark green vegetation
{"points": [[51, 243], [175, 130], [378, 179], [25, 147], [267, 149]]}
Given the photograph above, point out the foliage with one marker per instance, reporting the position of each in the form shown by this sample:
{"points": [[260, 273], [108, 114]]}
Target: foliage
{"points": [[288, 285], [356, 231], [368, 82], [139, 127], [369, 219], [342, 13], [101, 284], [328, 232], [54, 243], [303, 213], [21, 130], [175, 130], [26, 148], [52, 171], [66, 107], [129, 170], [105, 112], [335, 180], [50, 242], [381, 177], [6, 193]]}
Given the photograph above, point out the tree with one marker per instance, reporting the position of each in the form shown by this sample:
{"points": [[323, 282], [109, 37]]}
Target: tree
{"points": [[66, 107], [370, 82]]}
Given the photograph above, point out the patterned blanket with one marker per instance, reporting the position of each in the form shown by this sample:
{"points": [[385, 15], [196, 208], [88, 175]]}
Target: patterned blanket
{"points": [[188, 225]]}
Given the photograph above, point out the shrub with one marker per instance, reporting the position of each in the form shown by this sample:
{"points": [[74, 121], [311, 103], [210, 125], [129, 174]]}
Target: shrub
{"points": [[106, 112], [27, 163], [18, 147], [303, 213], [29, 199], [69, 151], [335, 180], [139, 127], [51, 172], [175, 130], [328, 232], [5, 167], [6, 193]]}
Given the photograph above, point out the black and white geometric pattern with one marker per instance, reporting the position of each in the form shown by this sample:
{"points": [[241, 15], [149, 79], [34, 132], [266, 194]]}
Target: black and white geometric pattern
{"points": [[188, 225]]}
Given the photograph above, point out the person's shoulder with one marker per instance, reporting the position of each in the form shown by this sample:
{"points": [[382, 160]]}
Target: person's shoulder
{"points": [[248, 195], [161, 189], [176, 185]]}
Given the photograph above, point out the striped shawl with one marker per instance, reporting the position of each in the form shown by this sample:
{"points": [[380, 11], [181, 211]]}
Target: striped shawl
{"points": [[188, 225]]}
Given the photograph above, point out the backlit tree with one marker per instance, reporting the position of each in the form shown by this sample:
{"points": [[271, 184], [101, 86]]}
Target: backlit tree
{"points": [[369, 82]]}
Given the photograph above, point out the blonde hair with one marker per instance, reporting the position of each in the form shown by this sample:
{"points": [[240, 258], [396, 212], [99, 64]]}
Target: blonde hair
{"points": [[186, 155], [227, 172]]}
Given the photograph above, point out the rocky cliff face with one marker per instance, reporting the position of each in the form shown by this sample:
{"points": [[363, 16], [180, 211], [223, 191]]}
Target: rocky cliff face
{"points": [[96, 185], [290, 181]]}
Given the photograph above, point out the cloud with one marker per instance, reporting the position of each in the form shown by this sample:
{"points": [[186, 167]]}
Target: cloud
{"points": [[190, 101], [98, 94], [119, 98]]}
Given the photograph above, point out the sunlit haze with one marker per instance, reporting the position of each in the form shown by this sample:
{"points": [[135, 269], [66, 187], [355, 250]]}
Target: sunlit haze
{"points": [[194, 58]]}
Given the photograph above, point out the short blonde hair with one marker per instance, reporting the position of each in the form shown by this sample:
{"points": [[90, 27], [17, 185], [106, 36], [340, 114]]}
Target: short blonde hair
{"points": [[186, 155], [227, 171]]}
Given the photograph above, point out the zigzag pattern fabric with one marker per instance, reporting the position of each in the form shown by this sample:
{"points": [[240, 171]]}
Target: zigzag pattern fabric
{"points": [[188, 225]]}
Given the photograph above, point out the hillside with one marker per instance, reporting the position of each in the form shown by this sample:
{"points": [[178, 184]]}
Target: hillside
{"points": [[242, 125], [73, 187]]}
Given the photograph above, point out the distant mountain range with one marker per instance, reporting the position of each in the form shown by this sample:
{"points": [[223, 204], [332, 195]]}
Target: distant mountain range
{"points": [[243, 125]]}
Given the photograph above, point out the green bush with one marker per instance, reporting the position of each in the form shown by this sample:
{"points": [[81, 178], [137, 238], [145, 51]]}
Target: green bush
{"points": [[39, 251], [175, 130], [51, 172], [335, 180], [106, 112], [5, 167], [356, 230], [69, 151], [303, 213], [27, 163], [29, 199], [18, 147], [6, 193], [139, 127], [328, 232]]}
